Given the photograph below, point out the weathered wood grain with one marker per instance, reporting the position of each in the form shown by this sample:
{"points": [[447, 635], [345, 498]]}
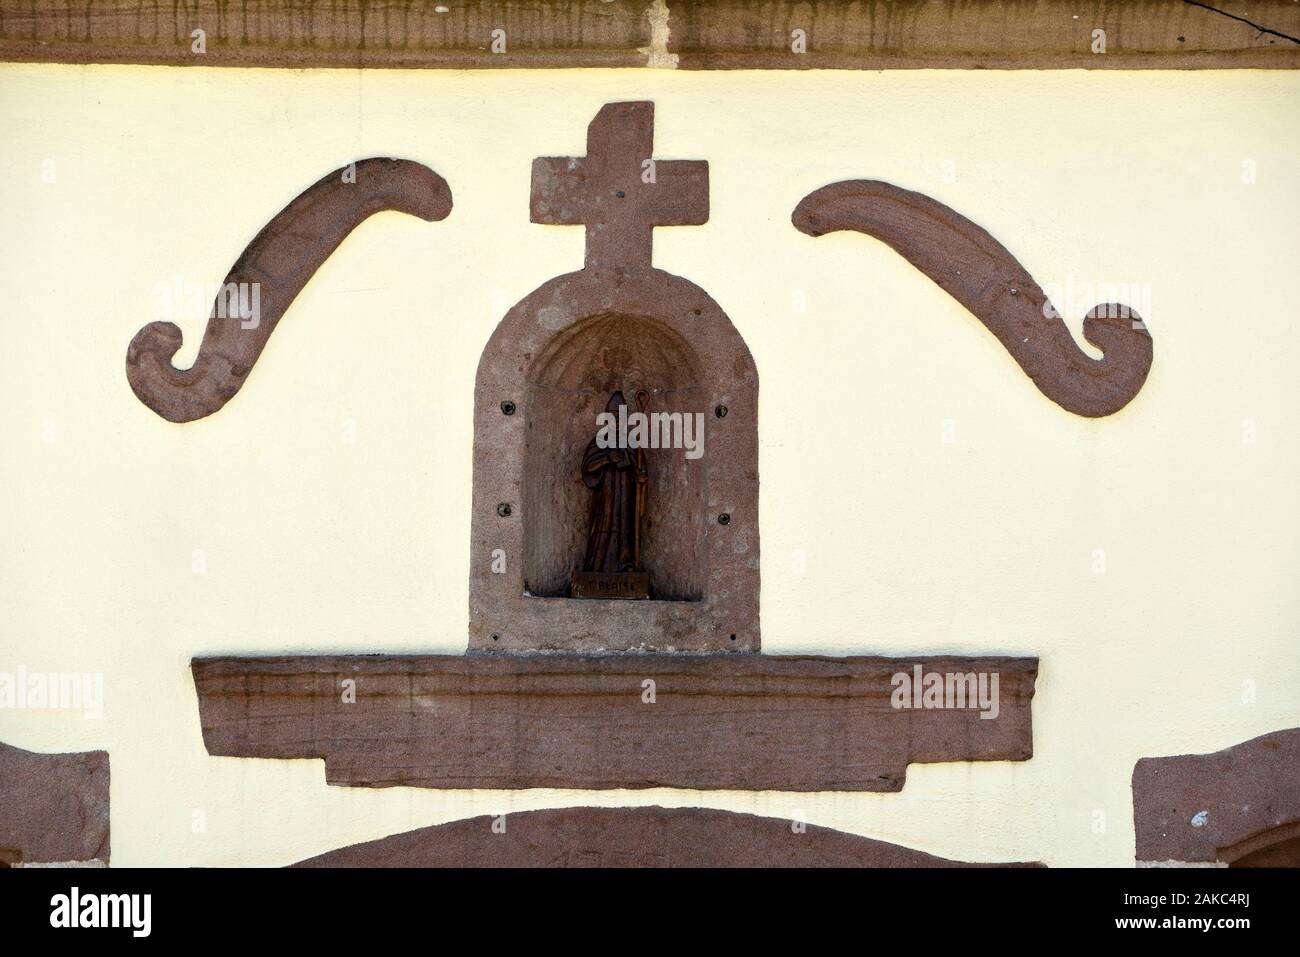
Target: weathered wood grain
{"points": [[750, 722]]}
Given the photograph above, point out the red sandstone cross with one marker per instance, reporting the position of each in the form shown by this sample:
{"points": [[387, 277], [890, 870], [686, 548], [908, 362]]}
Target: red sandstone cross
{"points": [[617, 191]]}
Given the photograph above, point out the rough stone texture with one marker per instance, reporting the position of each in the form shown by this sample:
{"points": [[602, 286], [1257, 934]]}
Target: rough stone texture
{"points": [[979, 272], [53, 807], [1240, 805], [749, 722], [557, 356], [610, 191], [983, 34], [709, 34], [629, 837], [340, 33], [280, 259]]}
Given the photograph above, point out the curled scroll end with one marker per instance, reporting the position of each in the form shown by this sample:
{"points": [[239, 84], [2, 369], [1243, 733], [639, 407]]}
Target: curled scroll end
{"points": [[807, 217], [853, 204], [267, 277], [155, 380], [964, 260], [414, 189], [1127, 352]]}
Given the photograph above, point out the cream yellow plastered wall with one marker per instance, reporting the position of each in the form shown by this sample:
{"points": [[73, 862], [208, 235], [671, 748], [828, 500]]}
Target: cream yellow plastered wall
{"points": [[919, 495]]}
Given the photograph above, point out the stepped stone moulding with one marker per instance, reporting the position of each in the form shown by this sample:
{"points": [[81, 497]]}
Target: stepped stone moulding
{"points": [[750, 722]]}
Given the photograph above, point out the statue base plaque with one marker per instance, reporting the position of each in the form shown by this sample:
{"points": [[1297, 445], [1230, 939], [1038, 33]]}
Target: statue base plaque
{"points": [[610, 585]]}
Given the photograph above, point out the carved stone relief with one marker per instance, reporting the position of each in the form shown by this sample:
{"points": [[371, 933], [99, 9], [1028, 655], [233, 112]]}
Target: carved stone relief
{"points": [[979, 272], [751, 722], [553, 362], [650, 675], [276, 265]]}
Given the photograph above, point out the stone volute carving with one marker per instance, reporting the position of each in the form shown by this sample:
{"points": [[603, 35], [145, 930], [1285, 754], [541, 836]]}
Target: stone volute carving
{"points": [[614, 583], [568, 682]]}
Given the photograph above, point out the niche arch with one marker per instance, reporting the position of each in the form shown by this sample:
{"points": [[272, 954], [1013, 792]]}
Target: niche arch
{"points": [[566, 388], [548, 369]]}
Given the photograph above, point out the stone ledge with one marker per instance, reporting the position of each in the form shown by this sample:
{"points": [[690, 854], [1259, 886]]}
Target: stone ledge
{"points": [[742, 721], [719, 34]]}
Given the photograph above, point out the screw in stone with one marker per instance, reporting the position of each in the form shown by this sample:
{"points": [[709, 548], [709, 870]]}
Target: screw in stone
{"points": [[504, 509], [507, 407], [733, 637], [720, 411], [620, 194], [724, 519], [496, 637]]}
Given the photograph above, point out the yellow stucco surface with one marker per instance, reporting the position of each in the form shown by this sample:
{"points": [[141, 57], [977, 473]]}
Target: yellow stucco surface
{"points": [[919, 495]]}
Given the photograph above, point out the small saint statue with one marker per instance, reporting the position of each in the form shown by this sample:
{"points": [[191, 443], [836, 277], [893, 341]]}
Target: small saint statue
{"points": [[619, 480]]}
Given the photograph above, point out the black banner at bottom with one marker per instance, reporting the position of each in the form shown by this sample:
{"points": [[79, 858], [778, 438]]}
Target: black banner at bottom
{"points": [[497, 907]]}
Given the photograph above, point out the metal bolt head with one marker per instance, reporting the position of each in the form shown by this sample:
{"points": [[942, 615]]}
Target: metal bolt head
{"points": [[504, 510], [720, 411], [724, 519], [507, 407]]}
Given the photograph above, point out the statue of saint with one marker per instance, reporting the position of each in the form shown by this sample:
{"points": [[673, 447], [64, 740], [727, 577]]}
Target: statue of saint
{"points": [[618, 481]]}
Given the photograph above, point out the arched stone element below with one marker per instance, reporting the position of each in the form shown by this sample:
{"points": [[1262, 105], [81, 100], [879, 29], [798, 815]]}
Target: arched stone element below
{"points": [[629, 837], [1239, 807]]}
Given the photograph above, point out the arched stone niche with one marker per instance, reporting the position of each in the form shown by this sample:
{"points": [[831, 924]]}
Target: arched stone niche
{"points": [[548, 370], [568, 387]]}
